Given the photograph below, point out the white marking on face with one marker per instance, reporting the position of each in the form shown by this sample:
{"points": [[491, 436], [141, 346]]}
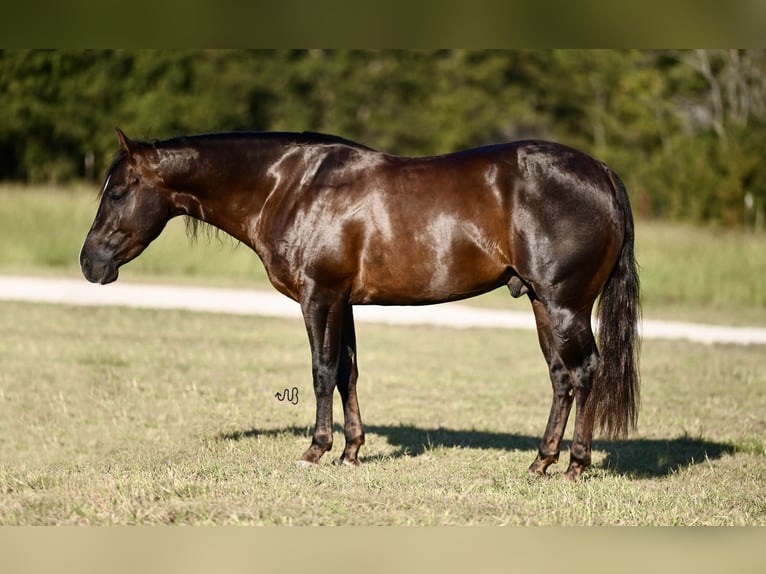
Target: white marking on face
{"points": [[106, 183]]}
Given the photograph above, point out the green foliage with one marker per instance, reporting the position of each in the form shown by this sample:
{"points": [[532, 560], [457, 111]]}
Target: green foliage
{"points": [[684, 128]]}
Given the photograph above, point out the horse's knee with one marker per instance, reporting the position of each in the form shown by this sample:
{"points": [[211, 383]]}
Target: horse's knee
{"points": [[324, 382]]}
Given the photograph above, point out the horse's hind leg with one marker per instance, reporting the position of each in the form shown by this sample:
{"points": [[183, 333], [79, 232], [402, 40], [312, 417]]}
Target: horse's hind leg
{"points": [[582, 437], [570, 349], [347, 376], [550, 446]]}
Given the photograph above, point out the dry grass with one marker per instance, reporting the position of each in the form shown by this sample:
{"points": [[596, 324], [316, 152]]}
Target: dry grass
{"points": [[116, 416]]}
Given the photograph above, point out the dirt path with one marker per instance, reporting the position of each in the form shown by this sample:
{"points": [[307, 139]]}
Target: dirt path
{"points": [[272, 304]]}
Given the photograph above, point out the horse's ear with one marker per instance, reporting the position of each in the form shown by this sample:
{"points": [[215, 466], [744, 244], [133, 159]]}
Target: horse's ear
{"points": [[125, 143]]}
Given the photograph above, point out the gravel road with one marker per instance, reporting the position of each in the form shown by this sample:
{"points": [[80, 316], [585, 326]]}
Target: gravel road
{"points": [[273, 304]]}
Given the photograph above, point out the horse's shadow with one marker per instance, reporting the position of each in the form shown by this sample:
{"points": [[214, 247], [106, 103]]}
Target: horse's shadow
{"points": [[638, 458]]}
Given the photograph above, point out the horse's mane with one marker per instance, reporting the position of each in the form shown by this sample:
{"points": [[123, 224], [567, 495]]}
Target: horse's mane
{"points": [[314, 137], [306, 137], [193, 226]]}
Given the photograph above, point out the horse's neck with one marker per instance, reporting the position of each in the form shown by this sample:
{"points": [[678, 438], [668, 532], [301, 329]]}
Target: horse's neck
{"points": [[226, 198]]}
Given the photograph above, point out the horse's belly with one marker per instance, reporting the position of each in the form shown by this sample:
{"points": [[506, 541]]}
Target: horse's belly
{"points": [[428, 280]]}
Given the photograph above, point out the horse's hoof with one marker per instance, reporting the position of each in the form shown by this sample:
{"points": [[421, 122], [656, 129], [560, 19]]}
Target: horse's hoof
{"points": [[306, 464], [346, 462], [573, 473], [538, 470], [537, 474]]}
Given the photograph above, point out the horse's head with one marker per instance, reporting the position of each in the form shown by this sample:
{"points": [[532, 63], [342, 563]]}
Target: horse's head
{"points": [[132, 212]]}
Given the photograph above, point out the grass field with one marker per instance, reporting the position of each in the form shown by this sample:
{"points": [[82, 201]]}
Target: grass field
{"points": [[117, 416]]}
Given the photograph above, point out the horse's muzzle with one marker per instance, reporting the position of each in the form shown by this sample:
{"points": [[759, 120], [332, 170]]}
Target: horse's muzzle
{"points": [[98, 269]]}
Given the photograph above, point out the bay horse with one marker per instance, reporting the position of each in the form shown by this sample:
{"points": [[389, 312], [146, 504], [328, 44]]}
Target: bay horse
{"points": [[338, 224]]}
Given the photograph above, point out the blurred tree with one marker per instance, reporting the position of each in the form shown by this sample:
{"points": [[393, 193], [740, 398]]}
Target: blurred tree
{"points": [[684, 128]]}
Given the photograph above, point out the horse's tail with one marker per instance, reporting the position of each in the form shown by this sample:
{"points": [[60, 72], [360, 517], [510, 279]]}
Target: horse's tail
{"points": [[615, 392]]}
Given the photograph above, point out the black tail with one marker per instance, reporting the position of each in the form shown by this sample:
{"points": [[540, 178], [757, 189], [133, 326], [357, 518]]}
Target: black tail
{"points": [[615, 392]]}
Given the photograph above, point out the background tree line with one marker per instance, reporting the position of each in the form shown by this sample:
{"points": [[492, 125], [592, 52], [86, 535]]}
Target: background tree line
{"points": [[685, 129]]}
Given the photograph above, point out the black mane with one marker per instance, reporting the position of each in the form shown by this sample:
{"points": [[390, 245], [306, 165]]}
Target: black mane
{"points": [[306, 137], [193, 225], [290, 137]]}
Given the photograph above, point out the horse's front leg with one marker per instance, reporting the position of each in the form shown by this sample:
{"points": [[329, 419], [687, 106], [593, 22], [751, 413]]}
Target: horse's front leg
{"points": [[347, 375], [324, 323]]}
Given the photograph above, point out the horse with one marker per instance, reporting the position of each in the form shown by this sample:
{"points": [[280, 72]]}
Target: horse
{"points": [[338, 224]]}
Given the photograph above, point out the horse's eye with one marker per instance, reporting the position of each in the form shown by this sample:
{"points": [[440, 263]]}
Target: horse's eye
{"points": [[117, 194]]}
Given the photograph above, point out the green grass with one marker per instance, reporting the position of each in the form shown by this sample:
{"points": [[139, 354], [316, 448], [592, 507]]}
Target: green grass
{"points": [[690, 273], [702, 274], [118, 416]]}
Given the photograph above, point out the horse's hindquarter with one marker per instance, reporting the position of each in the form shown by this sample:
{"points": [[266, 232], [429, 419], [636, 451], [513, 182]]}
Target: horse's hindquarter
{"points": [[567, 225]]}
